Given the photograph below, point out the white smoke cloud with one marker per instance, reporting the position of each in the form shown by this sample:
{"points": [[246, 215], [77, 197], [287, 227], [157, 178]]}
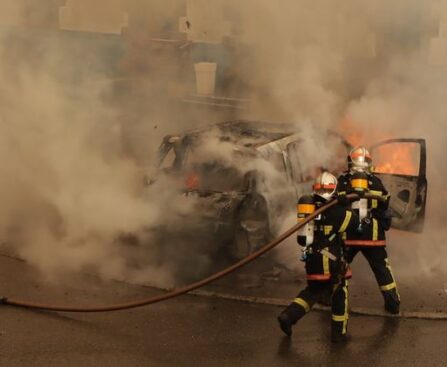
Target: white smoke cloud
{"points": [[70, 181]]}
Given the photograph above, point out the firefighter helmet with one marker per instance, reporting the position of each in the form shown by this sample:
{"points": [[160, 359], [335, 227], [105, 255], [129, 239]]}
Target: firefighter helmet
{"points": [[359, 159], [325, 185]]}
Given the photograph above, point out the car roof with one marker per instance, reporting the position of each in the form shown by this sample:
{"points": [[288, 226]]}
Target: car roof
{"points": [[248, 133]]}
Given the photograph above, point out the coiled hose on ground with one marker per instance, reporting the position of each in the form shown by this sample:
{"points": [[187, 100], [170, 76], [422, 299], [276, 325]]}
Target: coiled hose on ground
{"points": [[187, 288]]}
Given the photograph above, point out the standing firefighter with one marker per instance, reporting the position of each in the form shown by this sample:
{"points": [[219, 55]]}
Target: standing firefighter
{"points": [[375, 219], [323, 254]]}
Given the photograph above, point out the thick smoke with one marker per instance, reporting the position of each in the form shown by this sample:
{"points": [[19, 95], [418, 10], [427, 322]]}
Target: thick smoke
{"points": [[70, 188], [379, 66], [70, 179], [66, 189]]}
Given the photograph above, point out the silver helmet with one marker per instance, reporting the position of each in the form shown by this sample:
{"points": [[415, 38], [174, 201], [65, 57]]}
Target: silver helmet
{"points": [[325, 185], [359, 160]]}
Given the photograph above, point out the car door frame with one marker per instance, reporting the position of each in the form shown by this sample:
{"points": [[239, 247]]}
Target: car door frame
{"points": [[417, 224]]}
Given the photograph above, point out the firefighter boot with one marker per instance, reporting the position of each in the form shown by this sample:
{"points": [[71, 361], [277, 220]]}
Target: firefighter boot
{"points": [[392, 301], [285, 324], [338, 332], [289, 317]]}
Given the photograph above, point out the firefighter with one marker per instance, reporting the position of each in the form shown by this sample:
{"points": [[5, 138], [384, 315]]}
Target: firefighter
{"points": [[375, 219], [323, 254]]}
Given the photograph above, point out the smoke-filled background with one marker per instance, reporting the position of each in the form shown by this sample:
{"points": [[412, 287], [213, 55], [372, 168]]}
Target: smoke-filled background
{"points": [[82, 111]]}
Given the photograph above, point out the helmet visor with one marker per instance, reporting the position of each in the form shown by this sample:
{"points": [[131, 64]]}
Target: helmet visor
{"points": [[325, 191]]}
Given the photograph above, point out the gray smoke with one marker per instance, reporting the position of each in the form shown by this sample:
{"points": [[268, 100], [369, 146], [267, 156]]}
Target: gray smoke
{"points": [[379, 66], [70, 178]]}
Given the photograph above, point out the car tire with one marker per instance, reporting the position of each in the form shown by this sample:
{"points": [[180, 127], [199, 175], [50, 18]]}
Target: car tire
{"points": [[252, 229]]}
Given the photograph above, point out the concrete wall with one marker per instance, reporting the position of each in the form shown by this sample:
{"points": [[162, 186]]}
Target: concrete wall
{"points": [[205, 21], [104, 16], [438, 44], [31, 13]]}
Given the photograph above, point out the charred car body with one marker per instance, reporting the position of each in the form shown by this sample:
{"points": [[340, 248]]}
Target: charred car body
{"points": [[244, 176]]}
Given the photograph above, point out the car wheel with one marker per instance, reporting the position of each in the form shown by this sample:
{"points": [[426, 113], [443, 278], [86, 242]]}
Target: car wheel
{"points": [[252, 227]]}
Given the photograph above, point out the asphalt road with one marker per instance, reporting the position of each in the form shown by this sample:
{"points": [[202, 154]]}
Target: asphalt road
{"points": [[192, 331]]}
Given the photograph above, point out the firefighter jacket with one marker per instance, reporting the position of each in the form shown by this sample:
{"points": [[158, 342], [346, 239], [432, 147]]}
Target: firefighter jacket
{"points": [[372, 213], [324, 258]]}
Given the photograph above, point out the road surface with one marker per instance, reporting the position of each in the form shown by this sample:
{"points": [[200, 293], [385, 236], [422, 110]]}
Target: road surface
{"points": [[192, 331]]}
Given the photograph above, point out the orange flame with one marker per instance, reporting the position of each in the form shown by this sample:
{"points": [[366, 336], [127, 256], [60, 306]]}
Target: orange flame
{"points": [[402, 159], [192, 181], [351, 132], [395, 158]]}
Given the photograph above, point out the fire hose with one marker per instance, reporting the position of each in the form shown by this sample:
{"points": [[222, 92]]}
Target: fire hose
{"points": [[187, 288]]}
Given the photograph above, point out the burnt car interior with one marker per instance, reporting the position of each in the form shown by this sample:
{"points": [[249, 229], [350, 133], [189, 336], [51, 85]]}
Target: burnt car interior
{"points": [[401, 164], [178, 153]]}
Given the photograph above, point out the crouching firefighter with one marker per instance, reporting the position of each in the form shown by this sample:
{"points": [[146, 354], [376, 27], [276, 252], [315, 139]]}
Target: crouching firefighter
{"points": [[375, 218], [323, 254]]}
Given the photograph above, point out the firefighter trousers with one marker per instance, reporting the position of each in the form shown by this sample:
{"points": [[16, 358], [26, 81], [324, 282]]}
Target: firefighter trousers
{"points": [[377, 258], [319, 290]]}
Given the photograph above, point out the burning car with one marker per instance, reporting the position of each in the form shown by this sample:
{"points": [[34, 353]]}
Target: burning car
{"points": [[401, 164], [244, 176]]}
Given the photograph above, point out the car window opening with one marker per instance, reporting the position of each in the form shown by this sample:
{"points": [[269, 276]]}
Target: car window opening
{"points": [[211, 175]]}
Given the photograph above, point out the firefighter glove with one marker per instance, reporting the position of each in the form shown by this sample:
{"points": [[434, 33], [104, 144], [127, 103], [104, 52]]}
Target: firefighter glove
{"points": [[384, 217], [360, 193], [343, 200]]}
